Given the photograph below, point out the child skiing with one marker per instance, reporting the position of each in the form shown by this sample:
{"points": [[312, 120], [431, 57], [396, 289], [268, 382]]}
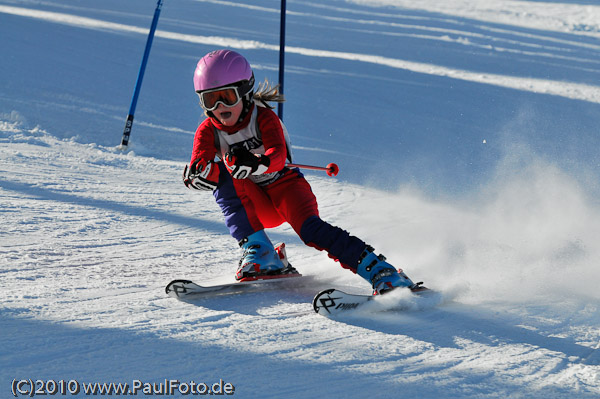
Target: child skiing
{"points": [[240, 154]]}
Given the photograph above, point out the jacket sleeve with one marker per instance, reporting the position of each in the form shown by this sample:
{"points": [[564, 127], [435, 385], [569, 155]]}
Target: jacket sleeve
{"points": [[204, 142], [273, 139]]}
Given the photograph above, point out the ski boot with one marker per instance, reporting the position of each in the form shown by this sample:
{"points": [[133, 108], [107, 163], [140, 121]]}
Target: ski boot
{"points": [[261, 259], [383, 276]]}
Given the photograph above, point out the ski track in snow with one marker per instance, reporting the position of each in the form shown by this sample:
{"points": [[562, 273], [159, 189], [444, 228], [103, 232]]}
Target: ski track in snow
{"points": [[559, 88], [90, 237]]}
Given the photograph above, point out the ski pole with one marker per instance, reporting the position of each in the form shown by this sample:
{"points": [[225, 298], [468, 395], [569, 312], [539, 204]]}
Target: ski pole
{"points": [[281, 55], [140, 77], [331, 169]]}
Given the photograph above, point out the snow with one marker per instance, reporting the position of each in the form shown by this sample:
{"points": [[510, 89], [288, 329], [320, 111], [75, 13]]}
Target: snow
{"points": [[467, 138]]}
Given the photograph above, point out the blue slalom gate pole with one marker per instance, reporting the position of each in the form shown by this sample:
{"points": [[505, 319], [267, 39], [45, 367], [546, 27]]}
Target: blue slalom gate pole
{"points": [[281, 56], [140, 77]]}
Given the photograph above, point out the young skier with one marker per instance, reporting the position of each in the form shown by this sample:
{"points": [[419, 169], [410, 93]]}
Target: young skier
{"points": [[240, 154]]}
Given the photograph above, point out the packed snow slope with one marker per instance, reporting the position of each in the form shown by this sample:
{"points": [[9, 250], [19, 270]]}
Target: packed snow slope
{"points": [[467, 137]]}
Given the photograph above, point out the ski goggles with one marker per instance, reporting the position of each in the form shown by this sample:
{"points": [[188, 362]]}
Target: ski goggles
{"points": [[228, 96]]}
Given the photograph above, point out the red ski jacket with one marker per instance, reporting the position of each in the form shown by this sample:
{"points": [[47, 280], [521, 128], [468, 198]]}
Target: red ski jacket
{"points": [[261, 132]]}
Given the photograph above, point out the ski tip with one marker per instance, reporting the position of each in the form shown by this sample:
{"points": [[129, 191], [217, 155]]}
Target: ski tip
{"points": [[175, 286], [323, 301], [333, 302]]}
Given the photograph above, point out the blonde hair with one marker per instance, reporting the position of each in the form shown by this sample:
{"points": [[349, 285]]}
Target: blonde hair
{"points": [[266, 92]]}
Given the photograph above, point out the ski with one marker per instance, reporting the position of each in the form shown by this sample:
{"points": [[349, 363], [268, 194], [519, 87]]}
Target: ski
{"points": [[183, 289], [333, 302]]}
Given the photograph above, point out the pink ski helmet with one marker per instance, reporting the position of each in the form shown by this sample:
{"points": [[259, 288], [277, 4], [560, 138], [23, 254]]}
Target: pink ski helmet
{"points": [[224, 68]]}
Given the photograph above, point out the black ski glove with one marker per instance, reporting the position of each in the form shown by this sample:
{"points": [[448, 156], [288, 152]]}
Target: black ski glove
{"points": [[201, 175], [242, 163]]}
